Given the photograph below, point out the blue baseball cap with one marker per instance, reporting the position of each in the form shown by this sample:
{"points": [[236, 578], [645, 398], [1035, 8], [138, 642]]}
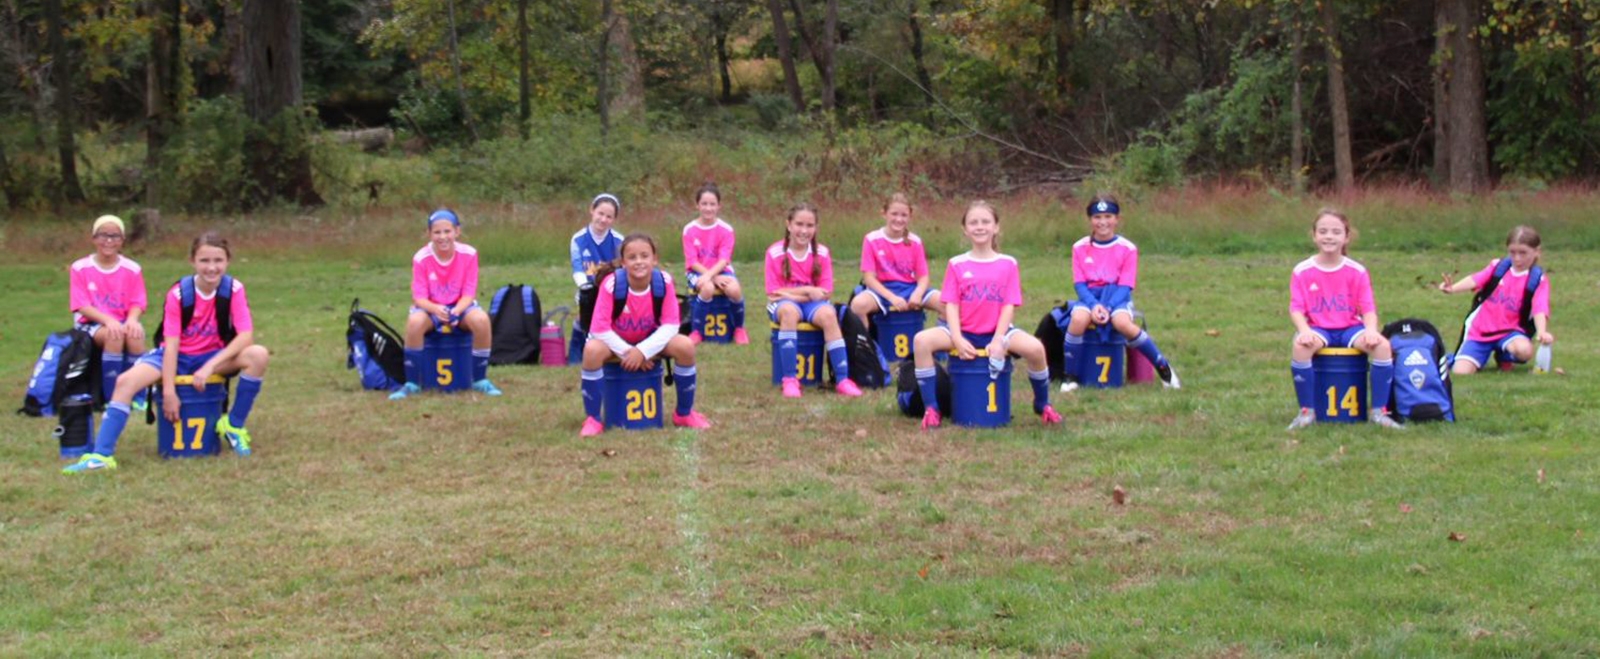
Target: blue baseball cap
{"points": [[444, 214], [1103, 206]]}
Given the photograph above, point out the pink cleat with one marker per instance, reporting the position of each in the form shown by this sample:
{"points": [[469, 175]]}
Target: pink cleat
{"points": [[591, 427], [1050, 416], [848, 388], [791, 387], [695, 338], [740, 337], [691, 420], [930, 419]]}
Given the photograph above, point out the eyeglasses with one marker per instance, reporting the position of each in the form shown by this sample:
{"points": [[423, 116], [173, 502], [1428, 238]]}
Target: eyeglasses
{"points": [[108, 236]]}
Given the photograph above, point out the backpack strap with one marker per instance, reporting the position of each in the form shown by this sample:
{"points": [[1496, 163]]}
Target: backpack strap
{"points": [[527, 300], [1535, 276], [499, 296], [224, 310], [619, 294], [658, 292], [186, 300], [1501, 267]]}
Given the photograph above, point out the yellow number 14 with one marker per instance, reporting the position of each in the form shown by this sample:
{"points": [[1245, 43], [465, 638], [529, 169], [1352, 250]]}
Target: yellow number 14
{"points": [[1351, 402]]}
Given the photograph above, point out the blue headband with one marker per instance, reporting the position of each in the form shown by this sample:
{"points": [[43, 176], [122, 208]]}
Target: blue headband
{"points": [[1104, 206], [606, 196], [444, 214]]}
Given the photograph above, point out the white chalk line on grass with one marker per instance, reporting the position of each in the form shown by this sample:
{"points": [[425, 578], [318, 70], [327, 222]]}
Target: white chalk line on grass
{"points": [[694, 561]]}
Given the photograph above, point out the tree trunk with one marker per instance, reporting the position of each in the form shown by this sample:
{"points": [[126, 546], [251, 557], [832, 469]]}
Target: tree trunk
{"points": [[821, 47], [720, 24], [13, 199], [524, 84], [1297, 115], [277, 149], [61, 69], [1578, 88], [923, 79], [1467, 131], [602, 73], [1441, 96], [629, 98], [780, 34], [455, 70], [1062, 29], [1343, 164], [161, 90]]}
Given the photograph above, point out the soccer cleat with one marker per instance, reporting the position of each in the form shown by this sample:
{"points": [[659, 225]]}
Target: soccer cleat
{"points": [[791, 388], [695, 338], [486, 387], [1050, 416], [406, 389], [1169, 379], [848, 388], [139, 404], [91, 462], [591, 427], [1069, 386], [1304, 419], [238, 438], [691, 420], [741, 337], [1507, 365], [1382, 419], [930, 419]]}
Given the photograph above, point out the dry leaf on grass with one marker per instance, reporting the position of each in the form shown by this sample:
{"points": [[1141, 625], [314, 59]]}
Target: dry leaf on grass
{"points": [[1405, 507], [1213, 333], [1457, 537], [1119, 496], [608, 453]]}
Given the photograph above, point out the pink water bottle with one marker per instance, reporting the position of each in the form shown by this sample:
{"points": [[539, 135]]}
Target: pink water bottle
{"points": [[1140, 370], [552, 350]]}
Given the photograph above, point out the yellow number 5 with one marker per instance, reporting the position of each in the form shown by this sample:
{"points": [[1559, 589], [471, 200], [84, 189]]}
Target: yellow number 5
{"points": [[446, 376]]}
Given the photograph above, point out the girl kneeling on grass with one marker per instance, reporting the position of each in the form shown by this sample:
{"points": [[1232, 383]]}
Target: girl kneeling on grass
{"points": [[1497, 326], [982, 289], [107, 298], [444, 292], [635, 334], [215, 340], [1330, 303], [799, 285]]}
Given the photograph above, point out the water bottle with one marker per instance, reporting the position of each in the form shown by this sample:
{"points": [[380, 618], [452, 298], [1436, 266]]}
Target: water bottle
{"points": [[1541, 359]]}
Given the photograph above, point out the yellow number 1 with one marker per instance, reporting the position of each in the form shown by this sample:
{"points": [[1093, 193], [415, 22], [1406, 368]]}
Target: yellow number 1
{"points": [[993, 405]]}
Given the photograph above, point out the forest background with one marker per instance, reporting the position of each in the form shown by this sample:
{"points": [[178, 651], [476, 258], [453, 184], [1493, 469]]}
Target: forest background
{"points": [[226, 106]]}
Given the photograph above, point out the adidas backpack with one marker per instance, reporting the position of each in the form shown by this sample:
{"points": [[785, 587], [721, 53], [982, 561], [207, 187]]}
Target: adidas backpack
{"points": [[908, 396], [1422, 388], [868, 368], [514, 316], [375, 350], [1052, 332], [68, 365]]}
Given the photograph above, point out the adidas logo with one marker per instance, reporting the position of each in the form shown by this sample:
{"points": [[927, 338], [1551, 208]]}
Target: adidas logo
{"points": [[966, 275], [586, 252], [92, 286], [696, 242], [433, 277], [1416, 358], [1088, 259], [1313, 286], [1297, 378]]}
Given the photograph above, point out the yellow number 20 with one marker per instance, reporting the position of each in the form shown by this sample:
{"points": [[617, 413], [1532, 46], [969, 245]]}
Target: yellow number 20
{"points": [[641, 405], [446, 376]]}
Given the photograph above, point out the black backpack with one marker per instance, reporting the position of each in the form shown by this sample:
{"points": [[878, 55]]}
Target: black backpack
{"points": [[515, 316], [68, 368], [1422, 389], [375, 348], [908, 396], [1503, 266], [1052, 332], [868, 368]]}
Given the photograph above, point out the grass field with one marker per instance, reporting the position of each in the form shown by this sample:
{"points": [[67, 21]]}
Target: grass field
{"points": [[468, 525]]}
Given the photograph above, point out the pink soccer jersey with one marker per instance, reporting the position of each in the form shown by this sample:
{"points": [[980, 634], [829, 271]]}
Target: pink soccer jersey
{"points": [[799, 269], [445, 283], [1331, 299], [202, 334], [1502, 312], [1113, 263], [703, 245], [113, 292], [891, 259], [638, 319], [982, 287]]}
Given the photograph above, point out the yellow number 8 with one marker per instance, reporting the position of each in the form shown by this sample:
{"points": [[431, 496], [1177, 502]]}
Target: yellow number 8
{"points": [[902, 345]]}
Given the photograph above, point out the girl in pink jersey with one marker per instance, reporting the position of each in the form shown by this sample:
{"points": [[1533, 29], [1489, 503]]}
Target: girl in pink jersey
{"points": [[982, 289], [708, 253], [210, 343], [444, 292], [799, 284], [1105, 268], [1496, 328], [1330, 303], [894, 267], [107, 298], [634, 335]]}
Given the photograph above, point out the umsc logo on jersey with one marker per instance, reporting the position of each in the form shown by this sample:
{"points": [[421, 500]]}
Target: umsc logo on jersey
{"points": [[982, 292], [1332, 303]]}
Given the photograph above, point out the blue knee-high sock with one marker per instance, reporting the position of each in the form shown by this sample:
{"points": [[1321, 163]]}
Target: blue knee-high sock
{"points": [[579, 337], [414, 366], [697, 314], [594, 390], [840, 359], [1382, 381], [1041, 389], [1305, 384], [1147, 346], [244, 396], [110, 368], [737, 321], [1072, 349], [684, 376], [928, 384], [111, 425], [787, 352], [480, 364]]}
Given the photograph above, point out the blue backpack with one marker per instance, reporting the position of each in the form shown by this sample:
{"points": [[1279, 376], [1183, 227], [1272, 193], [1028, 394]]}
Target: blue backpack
{"points": [[68, 365], [375, 350], [1422, 388]]}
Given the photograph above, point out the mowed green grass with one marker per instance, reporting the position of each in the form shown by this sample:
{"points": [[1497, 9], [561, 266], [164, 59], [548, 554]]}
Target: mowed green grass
{"points": [[468, 525]]}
